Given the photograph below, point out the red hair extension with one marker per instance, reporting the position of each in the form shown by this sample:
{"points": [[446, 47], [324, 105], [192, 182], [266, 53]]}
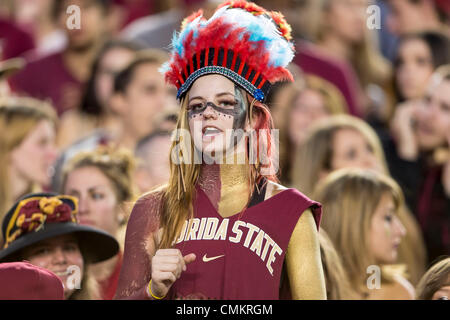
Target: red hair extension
{"points": [[264, 122]]}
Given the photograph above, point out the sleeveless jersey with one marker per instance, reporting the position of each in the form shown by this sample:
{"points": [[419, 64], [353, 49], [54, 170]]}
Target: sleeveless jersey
{"points": [[239, 257]]}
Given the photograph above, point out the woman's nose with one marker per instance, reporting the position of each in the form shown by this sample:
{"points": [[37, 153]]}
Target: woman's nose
{"points": [[59, 256], [83, 207], [400, 229], [209, 112]]}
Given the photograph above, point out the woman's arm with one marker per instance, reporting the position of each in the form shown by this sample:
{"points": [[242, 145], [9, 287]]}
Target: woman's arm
{"points": [[304, 265], [140, 246]]}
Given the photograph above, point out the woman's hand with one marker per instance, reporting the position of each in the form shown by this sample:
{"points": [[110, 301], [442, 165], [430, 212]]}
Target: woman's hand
{"points": [[167, 265], [402, 126]]}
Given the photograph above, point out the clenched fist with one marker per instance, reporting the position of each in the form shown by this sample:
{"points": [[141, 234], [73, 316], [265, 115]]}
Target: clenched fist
{"points": [[167, 266]]}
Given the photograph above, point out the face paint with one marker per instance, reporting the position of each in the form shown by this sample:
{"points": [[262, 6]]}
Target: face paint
{"points": [[239, 110], [232, 109]]}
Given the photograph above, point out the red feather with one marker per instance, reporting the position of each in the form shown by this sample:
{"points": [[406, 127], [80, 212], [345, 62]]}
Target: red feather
{"points": [[219, 34]]}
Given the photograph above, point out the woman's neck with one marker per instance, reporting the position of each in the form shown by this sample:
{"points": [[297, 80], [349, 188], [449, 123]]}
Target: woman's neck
{"points": [[226, 185], [18, 185]]}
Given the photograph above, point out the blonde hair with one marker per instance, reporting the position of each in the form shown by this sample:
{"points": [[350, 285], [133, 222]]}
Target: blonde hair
{"points": [[179, 194], [334, 103], [435, 278], [18, 117], [317, 151], [315, 155], [336, 279], [350, 198], [116, 164]]}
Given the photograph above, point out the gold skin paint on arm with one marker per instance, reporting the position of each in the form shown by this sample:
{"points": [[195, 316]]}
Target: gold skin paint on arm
{"points": [[304, 265]]}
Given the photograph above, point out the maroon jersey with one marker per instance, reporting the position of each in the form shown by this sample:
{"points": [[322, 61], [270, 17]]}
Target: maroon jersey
{"points": [[239, 257]]}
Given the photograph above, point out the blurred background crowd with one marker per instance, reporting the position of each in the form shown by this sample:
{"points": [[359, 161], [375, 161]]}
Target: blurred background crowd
{"points": [[364, 129]]}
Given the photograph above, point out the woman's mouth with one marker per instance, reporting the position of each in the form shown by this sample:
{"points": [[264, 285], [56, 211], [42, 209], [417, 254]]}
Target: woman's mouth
{"points": [[210, 131], [62, 273]]}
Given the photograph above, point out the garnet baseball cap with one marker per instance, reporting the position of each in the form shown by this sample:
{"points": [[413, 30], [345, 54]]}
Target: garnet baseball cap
{"points": [[24, 281]]}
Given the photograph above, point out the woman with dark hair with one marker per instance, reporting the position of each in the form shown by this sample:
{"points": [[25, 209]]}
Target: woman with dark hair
{"points": [[94, 112], [418, 55]]}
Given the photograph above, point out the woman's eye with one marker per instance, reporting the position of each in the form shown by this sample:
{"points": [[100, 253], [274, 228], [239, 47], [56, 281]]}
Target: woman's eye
{"points": [[351, 154], [196, 106], [97, 196], [43, 142], [227, 103], [70, 247], [443, 298], [422, 61], [41, 251], [388, 218]]}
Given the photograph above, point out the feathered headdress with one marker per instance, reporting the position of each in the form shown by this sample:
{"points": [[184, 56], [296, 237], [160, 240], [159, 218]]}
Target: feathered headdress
{"points": [[241, 41]]}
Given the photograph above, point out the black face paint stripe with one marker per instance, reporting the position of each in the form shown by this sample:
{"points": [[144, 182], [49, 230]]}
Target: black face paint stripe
{"points": [[239, 109]]}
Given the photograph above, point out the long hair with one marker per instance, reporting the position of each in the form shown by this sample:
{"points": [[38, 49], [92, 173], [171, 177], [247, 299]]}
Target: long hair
{"points": [[18, 117], [334, 103], [179, 194], [317, 151], [350, 198], [315, 155], [336, 278]]}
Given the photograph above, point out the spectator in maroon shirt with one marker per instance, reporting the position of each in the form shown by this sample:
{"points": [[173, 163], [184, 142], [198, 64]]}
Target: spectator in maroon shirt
{"points": [[419, 159], [60, 76], [14, 41]]}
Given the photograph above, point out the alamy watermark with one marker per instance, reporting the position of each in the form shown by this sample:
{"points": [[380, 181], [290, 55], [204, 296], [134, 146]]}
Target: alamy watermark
{"points": [[374, 280], [74, 19], [74, 279], [228, 148], [374, 19]]}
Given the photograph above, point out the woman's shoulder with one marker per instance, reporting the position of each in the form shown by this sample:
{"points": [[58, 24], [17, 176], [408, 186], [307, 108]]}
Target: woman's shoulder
{"points": [[151, 197], [398, 288], [273, 189], [148, 205]]}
